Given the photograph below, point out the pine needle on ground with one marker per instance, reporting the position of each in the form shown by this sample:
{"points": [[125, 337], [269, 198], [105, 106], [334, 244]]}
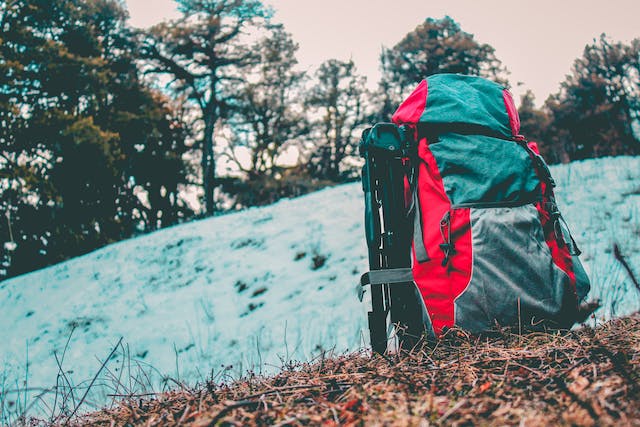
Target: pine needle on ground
{"points": [[587, 377]]}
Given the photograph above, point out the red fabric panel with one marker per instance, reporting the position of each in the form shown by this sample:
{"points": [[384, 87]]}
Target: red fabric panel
{"points": [[441, 285], [534, 147], [514, 118], [411, 109], [560, 254]]}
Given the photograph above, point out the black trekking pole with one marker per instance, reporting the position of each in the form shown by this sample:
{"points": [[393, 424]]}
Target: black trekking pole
{"points": [[389, 154], [377, 317]]}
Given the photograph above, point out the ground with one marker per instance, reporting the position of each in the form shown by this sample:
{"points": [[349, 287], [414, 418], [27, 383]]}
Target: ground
{"points": [[249, 290], [585, 377]]}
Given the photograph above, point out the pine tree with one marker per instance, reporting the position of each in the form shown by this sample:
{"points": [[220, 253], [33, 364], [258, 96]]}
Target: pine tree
{"points": [[435, 46], [72, 168], [268, 116], [339, 98], [599, 102], [204, 53]]}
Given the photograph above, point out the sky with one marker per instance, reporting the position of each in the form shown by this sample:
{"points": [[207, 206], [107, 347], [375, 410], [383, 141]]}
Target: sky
{"points": [[536, 40]]}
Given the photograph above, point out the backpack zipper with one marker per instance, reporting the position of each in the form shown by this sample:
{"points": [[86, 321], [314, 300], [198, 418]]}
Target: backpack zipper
{"points": [[560, 228], [445, 231], [503, 204], [447, 246]]}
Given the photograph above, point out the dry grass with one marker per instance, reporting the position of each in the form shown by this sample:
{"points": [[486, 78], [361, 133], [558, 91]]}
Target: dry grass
{"points": [[587, 377]]}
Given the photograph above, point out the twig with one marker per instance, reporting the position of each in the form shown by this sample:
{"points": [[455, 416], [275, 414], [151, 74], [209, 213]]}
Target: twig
{"points": [[585, 405], [128, 396], [285, 422], [618, 255], [187, 409], [64, 376], [231, 407], [93, 381], [281, 389], [452, 410]]}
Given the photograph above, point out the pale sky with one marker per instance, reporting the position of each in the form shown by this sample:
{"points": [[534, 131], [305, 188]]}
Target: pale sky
{"points": [[536, 40]]}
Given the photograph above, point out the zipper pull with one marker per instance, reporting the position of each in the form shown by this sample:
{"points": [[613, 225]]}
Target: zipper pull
{"points": [[445, 231], [448, 250]]}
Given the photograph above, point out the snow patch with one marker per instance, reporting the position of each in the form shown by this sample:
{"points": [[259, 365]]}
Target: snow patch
{"points": [[251, 290]]}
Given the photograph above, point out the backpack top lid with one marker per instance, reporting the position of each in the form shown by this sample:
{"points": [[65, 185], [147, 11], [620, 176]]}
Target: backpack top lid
{"points": [[460, 102]]}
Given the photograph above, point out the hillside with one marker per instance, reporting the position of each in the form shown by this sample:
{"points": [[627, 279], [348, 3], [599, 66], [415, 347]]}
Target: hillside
{"points": [[248, 291], [587, 378]]}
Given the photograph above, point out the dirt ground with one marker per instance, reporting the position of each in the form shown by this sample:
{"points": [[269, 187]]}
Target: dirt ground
{"points": [[587, 377]]}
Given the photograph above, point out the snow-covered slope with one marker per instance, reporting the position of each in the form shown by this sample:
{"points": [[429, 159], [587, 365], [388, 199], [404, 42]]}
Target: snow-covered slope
{"points": [[250, 290], [600, 200]]}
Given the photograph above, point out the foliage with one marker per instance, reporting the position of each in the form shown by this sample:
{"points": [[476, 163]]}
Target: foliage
{"points": [[204, 54], [267, 189], [79, 133], [268, 116], [435, 46], [595, 111], [534, 125], [339, 99]]}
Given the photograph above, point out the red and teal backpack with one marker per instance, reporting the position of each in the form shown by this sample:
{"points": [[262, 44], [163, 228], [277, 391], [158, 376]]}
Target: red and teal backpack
{"points": [[490, 246]]}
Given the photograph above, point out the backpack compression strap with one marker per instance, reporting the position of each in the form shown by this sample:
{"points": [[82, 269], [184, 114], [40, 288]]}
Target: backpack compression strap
{"points": [[387, 276], [402, 275], [414, 209], [560, 227], [418, 242]]}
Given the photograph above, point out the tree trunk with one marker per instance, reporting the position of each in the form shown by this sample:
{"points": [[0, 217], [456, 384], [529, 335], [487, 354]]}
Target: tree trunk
{"points": [[208, 163]]}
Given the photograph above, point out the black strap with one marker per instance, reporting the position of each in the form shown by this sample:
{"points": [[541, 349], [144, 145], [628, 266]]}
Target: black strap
{"points": [[574, 250], [543, 168], [418, 242], [539, 163], [414, 209], [387, 276]]}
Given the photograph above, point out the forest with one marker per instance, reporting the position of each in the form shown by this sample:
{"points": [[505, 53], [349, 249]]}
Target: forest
{"points": [[108, 132]]}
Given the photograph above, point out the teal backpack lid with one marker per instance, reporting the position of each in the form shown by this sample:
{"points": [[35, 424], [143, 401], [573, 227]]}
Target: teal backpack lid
{"points": [[469, 104]]}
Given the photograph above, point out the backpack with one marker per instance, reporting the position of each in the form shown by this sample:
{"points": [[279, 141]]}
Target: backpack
{"points": [[487, 246]]}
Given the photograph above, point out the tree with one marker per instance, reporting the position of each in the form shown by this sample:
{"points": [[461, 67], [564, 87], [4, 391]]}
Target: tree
{"points": [[599, 102], [56, 79], [435, 46], [79, 130], [154, 135], [338, 98], [268, 116], [535, 124], [204, 53]]}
